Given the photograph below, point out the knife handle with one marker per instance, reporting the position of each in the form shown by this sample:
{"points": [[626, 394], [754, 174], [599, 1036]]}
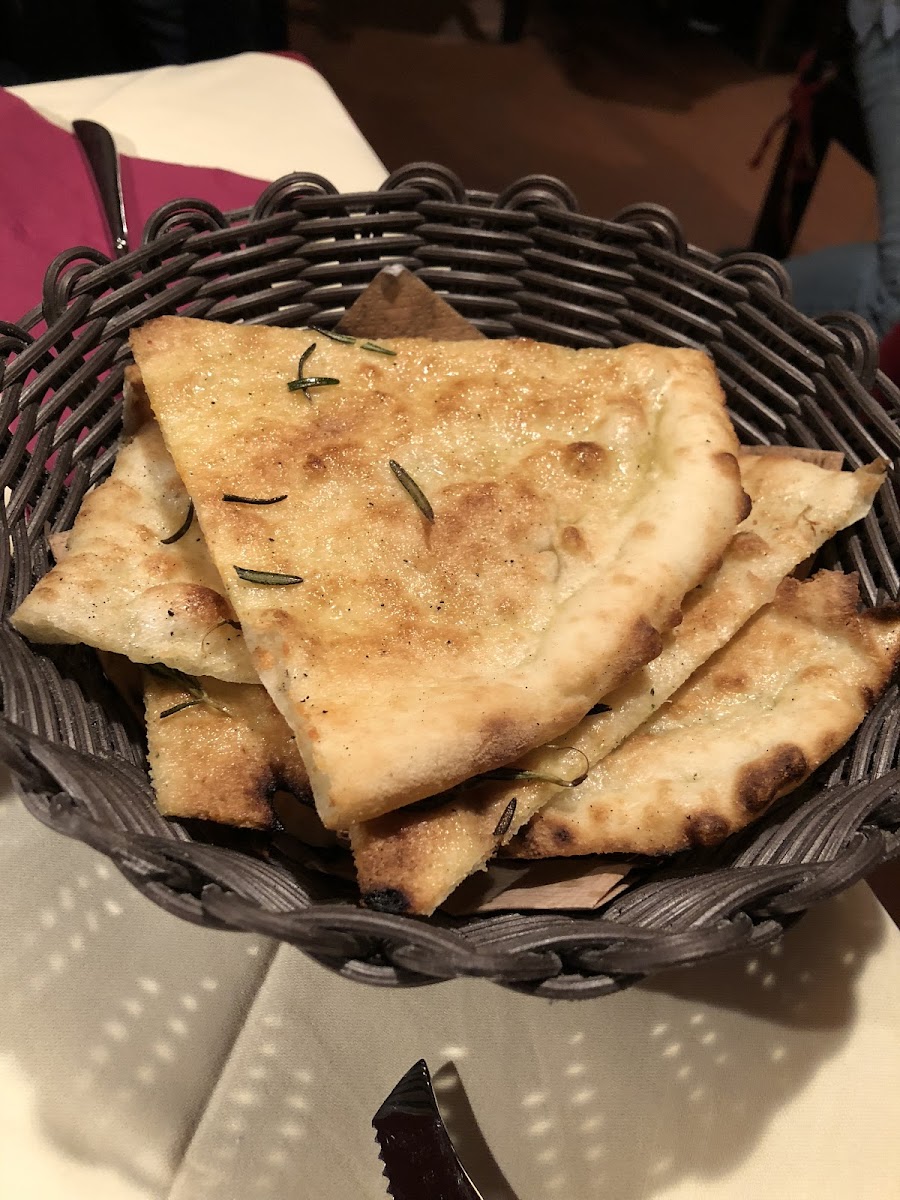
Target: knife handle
{"points": [[100, 151]]}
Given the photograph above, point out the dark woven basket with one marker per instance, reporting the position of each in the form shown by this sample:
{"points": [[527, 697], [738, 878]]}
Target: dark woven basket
{"points": [[523, 263]]}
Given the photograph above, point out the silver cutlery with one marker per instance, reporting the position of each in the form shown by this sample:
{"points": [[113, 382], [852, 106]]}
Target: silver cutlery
{"points": [[418, 1155], [103, 160]]}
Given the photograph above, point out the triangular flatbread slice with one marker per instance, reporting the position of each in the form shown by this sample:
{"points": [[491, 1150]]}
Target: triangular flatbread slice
{"points": [[546, 512], [120, 588], [796, 508], [749, 727], [412, 860], [223, 758]]}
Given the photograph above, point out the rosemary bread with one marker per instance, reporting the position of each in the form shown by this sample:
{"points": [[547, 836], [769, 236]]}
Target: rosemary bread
{"points": [[464, 548], [411, 860], [136, 578], [797, 507], [748, 727], [464, 545], [218, 751]]}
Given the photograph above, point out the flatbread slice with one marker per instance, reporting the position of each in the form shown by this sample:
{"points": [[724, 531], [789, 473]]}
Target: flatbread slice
{"points": [[749, 727], [412, 860], [119, 588], [220, 763], [796, 508], [576, 497]]}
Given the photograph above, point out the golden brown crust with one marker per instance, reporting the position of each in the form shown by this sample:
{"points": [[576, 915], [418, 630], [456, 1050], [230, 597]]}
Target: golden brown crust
{"points": [[797, 506], [748, 727], [416, 653], [119, 588], [701, 829], [729, 466], [758, 782], [136, 409], [391, 866], [211, 765]]}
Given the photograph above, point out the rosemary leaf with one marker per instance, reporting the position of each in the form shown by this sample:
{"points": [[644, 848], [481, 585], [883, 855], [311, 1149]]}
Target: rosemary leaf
{"points": [[508, 773], [177, 708], [335, 337], [377, 349], [234, 625], [187, 682], [300, 385], [506, 819], [182, 528], [249, 575], [419, 497], [597, 709], [232, 499], [303, 382]]}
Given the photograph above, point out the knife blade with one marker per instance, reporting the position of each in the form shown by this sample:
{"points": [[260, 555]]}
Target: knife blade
{"points": [[103, 160], [418, 1156]]}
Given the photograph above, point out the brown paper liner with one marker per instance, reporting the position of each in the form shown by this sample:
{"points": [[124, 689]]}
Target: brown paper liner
{"points": [[554, 884], [396, 304]]}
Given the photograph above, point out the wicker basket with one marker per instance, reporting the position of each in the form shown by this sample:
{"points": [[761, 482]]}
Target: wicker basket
{"points": [[523, 263]]}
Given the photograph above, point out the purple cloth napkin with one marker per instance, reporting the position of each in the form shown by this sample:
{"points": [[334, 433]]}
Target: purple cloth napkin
{"points": [[48, 202]]}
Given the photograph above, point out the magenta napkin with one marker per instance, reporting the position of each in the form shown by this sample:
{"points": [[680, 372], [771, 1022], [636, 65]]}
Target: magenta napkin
{"points": [[48, 202]]}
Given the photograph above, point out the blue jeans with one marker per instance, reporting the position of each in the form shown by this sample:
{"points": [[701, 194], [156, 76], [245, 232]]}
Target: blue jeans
{"points": [[865, 279]]}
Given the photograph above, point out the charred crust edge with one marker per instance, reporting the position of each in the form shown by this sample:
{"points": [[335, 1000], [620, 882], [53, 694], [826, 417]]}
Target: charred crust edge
{"points": [[760, 782], [386, 900], [706, 829]]}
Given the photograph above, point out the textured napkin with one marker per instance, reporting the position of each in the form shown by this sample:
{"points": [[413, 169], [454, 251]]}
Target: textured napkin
{"points": [[48, 201]]}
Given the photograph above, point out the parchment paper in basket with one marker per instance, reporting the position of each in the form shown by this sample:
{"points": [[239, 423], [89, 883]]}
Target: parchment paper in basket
{"points": [[396, 304], [555, 884]]}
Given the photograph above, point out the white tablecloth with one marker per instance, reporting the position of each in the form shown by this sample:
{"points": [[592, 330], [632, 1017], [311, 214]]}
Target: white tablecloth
{"points": [[144, 1059], [257, 114]]}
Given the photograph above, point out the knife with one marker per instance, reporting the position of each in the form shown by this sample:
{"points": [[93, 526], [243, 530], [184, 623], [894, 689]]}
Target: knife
{"points": [[100, 151], [418, 1156]]}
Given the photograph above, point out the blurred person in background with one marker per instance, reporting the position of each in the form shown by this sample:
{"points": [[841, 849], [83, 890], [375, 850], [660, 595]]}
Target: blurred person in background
{"points": [[865, 278]]}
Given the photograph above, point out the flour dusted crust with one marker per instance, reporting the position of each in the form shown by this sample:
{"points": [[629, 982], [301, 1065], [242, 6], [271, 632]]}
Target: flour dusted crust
{"points": [[216, 765], [118, 588], [748, 727], [578, 495], [411, 860]]}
